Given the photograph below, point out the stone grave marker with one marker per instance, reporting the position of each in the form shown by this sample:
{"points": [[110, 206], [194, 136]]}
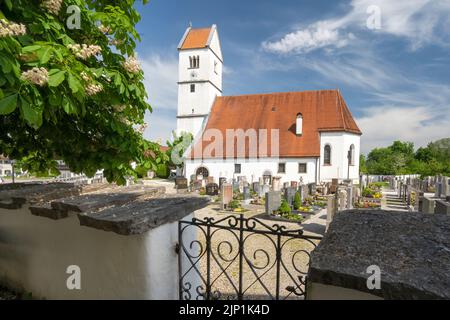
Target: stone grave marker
{"points": [[442, 207], [222, 180], [264, 190], [247, 193], [294, 184], [256, 187], [289, 194], [212, 189], [273, 201], [276, 184], [227, 195]]}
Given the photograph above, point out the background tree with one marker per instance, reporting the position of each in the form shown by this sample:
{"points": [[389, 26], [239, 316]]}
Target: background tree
{"points": [[400, 158], [71, 94]]}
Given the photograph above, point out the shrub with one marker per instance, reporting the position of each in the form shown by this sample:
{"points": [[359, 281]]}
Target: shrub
{"points": [[297, 201], [235, 204], [162, 171], [285, 208]]}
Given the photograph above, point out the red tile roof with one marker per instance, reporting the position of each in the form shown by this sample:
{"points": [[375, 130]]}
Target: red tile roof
{"points": [[196, 39], [322, 111]]}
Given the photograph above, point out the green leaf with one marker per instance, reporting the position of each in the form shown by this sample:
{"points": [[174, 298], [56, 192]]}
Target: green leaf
{"points": [[8, 104], [44, 54], [56, 78], [31, 48], [8, 4], [74, 84], [32, 115]]}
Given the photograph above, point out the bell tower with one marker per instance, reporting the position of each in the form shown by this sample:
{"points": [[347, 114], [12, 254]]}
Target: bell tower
{"points": [[199, 77]]}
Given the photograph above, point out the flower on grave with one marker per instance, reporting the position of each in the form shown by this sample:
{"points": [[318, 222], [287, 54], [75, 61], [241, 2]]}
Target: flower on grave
{"points": [[52, 6], [11, 29], [84, 51], [132, 65], [38, 76], [93, 89]]}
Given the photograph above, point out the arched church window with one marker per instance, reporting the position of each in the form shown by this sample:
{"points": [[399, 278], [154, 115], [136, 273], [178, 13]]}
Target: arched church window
{"points": [[327, 155], [202, 171]]}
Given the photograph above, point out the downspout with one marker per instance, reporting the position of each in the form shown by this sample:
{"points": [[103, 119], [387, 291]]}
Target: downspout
{"points": [[317, 170]]}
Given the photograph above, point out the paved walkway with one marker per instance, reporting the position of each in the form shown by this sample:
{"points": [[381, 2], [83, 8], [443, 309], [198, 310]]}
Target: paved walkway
{"points": [[392, 201]]}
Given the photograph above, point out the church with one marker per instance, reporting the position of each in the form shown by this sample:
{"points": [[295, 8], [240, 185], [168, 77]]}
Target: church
{"points": [[307, 136]]}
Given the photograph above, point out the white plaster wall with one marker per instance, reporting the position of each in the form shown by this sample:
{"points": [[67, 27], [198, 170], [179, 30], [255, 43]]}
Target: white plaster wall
{"points": [[208, 85], [253, 169], [340, 143], [35, 253]]}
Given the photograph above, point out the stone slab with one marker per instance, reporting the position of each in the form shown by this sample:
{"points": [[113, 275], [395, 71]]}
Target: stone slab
{"points": [[140, 216], [411, 249]]}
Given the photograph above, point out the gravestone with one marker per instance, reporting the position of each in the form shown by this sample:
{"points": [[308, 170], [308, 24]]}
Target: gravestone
{"points": [[445, 187], [222, 180], [246, 193], [442, 207], [181, 183], [331, 209], [212, 189], [256, 187], [286, 185], [210, 180], [304, 191], [227, 195], [264, 190], [428, 205], [342, 200], [276, 184], [438, 190], [273, 201], [289, 194], [235, 185], [419, 201], [312, 188], [294, 184], [349, 197]]}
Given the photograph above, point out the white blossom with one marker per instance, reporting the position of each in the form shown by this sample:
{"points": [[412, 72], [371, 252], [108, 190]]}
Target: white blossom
{"points": [[119, 107], [84, 51], [37, 76], [104, 29], [92, 89], [141, 129], [85, 76], [132, 65], [11, 29], [52, 6]]}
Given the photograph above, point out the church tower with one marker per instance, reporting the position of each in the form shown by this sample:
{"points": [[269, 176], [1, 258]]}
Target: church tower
{"points": [[200, 77]]}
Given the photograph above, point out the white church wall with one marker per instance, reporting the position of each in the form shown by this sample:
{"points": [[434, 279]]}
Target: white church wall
{"points": [[340, 143], [253, 169]]}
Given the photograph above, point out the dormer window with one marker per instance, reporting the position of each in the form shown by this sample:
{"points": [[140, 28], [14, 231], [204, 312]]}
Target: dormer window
{"points": [[299, 125], [194, 62]]}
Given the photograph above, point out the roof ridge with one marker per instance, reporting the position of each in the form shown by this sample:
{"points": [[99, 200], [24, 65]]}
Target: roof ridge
{"points": [[277, 93]]}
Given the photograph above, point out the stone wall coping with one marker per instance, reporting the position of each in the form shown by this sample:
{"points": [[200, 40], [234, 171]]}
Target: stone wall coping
{"points": [[411, 249], [140, 216]]}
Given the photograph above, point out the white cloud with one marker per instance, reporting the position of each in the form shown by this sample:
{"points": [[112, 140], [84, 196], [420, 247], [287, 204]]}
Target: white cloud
{"points": [[315, 36], [419, 21], [161, 76], [416, 124]]}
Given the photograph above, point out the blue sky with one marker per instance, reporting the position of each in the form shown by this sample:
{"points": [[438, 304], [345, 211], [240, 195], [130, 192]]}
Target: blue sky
{"points": [[394, 76]]}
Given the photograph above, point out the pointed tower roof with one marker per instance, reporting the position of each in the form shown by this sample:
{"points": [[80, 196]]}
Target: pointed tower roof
{"points": [[196, 38]]}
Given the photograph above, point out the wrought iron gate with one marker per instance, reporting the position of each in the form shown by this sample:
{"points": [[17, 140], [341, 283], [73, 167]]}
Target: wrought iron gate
{"points": [[242, 258]]}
